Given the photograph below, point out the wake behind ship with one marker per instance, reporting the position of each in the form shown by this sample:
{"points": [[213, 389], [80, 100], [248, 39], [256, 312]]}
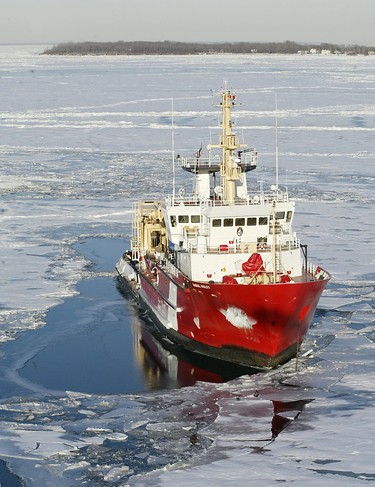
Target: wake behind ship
{"points": [[220, 270]]}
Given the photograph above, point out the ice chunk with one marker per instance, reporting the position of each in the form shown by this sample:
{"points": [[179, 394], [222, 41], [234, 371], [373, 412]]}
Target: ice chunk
{"points": [[116, 474]]}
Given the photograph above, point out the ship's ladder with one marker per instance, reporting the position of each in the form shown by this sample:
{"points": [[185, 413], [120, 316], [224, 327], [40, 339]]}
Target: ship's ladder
{"points": [[277, 263], [275, 244], [136, 238]]}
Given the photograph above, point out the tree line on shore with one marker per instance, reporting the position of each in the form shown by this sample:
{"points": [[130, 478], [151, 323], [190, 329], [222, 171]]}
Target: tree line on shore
{"points": [[184, 48]]}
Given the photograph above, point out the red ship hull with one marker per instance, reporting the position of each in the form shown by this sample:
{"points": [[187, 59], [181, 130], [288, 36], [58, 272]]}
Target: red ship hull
{"points": [[252, 325]]}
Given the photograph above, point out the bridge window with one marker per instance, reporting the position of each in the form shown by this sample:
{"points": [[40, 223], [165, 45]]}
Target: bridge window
{"points": [[263, 220], [216, 222], [228, 222], [280, 215], [240, 222], [183, 218], [173, 220], [251, 222], [289, 216], [195, 218]]}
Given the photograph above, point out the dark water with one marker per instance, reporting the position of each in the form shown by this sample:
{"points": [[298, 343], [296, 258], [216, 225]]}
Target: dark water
{"points": [[8, 478], [95, 355], [100, 342]]}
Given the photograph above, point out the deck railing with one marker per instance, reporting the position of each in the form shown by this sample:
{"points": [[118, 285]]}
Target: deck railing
{"points": [[252, 200], [247, 160], [236, 249]]}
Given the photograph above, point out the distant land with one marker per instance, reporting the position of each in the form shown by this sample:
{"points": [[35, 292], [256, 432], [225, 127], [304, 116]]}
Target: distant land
{"points": [[122, 48]]}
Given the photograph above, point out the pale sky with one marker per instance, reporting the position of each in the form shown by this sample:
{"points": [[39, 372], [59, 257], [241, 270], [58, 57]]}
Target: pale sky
{"points": [[55, 21]]}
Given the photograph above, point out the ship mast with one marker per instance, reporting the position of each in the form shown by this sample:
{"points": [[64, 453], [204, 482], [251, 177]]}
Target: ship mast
{"points": [[230, 171]]}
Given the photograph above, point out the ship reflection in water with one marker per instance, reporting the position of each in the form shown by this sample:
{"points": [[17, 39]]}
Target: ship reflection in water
{"points": [[166, 365], [178, 368]]}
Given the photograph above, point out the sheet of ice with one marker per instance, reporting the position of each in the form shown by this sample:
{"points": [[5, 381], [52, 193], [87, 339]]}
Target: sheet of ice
{"points": [[81, 139], [310, 427]]}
